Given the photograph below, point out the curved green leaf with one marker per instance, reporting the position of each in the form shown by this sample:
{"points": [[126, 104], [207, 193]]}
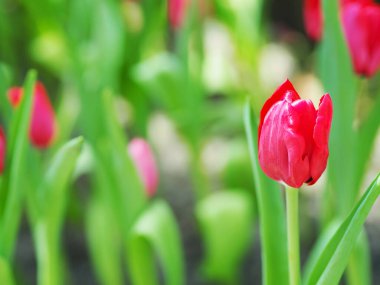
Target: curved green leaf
{"points": [[52, 193], [155, 233], [334, 258]]}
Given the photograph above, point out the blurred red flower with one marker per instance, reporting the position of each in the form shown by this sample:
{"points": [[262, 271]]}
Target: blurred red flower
{"points": [[145, 163], [313, 19], [293, 137], [361, 24], [176, 11], [42, 126]]}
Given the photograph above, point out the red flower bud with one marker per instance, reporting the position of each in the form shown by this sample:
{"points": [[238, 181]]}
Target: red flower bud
{"points": [[2, 150], [143, 158], [176, 11], [313, 18], [293, 137], [42, 125], [361, 23]]}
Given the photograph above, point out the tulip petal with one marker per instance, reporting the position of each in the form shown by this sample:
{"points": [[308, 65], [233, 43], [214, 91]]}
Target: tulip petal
{"points": [[285, 91], [15, 95], [321, 136], [143, 158], [281, 149], [373, 25], [356, 31], [42, 127], [313, 19]]}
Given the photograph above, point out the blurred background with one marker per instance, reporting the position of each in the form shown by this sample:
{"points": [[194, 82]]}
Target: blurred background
{"points": [[181, 84]]}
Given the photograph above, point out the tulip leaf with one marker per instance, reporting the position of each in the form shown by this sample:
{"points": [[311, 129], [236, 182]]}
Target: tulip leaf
{"points": [[155, 234], [271, 213], [129, 196], [333, 260], [338, 79], [102, 238], [6, 276], [365, 140], [12, 186], [52, 193], [226, 223]]}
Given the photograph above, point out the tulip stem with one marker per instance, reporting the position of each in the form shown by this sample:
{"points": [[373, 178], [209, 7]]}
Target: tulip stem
{"points": [[293, 235]]}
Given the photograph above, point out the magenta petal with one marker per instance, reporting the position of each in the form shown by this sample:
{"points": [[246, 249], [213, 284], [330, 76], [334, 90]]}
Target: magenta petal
{"points": [[373, 25], [281, 149], [285, 91], [356, 31], [42, 127], [313, 19], [321, 136], [143, 158]]}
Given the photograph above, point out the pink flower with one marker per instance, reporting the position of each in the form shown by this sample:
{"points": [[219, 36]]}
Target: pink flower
{"points": [[42, 126], [313, 19], [293, 137], [361, 23], [176, 11], [143, 158]]}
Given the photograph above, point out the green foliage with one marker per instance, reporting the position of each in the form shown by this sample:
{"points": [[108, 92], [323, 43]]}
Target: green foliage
{"points": [[334, 257], [226, 224], [155, 234], [11, 190]]}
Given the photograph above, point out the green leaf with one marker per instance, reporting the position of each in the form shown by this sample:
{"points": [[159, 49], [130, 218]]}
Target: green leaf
{"points": [[129, 195], [104, 243], [271, 213], [338, 80], [334, 258], [226, 224], [155, 234], [6, 276], [11, 192], [359, 265], [53, 191]]}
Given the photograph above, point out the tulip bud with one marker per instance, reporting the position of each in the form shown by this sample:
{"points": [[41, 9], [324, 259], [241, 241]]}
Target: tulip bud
{"points": [[42, 124], [293, 137], [144, 161], [361, 24], [313, 18], [176, 11], [2, 150]]}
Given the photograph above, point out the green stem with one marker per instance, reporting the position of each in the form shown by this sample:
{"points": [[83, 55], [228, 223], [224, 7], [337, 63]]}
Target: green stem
{"points": [[198, 176], [48, 256], [293, 235]]}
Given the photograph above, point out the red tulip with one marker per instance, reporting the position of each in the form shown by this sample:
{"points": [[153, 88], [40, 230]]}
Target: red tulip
{"points": [[293, 137], [313, 18], [361, 23], [176, 10], [42, 125], [2, 150], [143, 158]]}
